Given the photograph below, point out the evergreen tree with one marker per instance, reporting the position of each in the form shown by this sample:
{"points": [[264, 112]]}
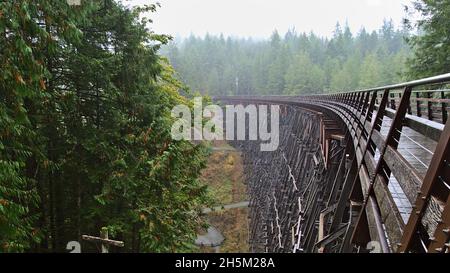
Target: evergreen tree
{"points": [[304, 77], [371, 72], [294, 63], [85, 131], [432, 43]]}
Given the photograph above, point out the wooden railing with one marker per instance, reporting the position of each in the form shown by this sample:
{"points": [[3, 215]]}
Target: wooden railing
{"points": [[378, 121], [364, 113]]}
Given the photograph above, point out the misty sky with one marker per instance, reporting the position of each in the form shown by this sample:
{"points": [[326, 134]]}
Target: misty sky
{"points": [[258, 18]]}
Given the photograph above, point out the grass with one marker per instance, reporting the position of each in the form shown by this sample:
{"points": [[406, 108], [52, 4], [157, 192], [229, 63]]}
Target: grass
{"points": [[224, 177]]}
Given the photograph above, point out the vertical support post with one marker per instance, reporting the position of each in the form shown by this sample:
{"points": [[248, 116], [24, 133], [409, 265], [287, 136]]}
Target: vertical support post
{"points": [[429, 106], [381, 111], [360, 101], [367, 117], [418, 110], [373, 100], [393, 106], [104, 235], [353, 98], [364, 106], [443, 108], [409, 107], [397, 122]]}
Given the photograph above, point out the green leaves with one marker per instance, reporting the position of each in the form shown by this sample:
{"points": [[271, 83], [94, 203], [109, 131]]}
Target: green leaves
{"points": [[18, 84], [431, 46], [293, 63], [85, 105]]}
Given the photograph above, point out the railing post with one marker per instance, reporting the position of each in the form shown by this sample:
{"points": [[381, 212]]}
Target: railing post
{"points": [[443, 108], [393, 106], [409, 106], [357, 100], [392, 139], [418, 110], [365, 106], [374, 124], [381, 111], [354, 99], [365, 119], [429, 106], [373, 100]]}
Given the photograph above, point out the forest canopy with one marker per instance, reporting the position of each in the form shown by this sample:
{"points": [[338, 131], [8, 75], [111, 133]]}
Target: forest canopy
{"points": [[85, 111], [293, 63], [305, 63], [85, 143]]}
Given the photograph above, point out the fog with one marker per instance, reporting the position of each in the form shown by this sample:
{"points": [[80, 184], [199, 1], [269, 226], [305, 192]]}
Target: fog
{"points": [[258, 19]]}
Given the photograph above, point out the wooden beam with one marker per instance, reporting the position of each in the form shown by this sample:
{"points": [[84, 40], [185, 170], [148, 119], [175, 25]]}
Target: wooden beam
{"points": [[392, 136], [100, 240], [439, 161], [390, 214]]}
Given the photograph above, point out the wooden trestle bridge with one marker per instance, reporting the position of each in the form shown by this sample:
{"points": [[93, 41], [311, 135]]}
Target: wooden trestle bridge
{"points": [[355, 171]]}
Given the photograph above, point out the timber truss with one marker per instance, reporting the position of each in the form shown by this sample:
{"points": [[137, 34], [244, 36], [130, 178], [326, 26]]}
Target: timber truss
{"points": [[362, 171]]}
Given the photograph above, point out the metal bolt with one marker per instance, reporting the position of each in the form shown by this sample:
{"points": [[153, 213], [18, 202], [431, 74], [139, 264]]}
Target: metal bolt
{"points": [[439, 249]]}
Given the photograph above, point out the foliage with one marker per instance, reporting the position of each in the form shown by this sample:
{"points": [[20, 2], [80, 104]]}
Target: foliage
{"points": [[85, 104], [293, 64], [431, 44]]}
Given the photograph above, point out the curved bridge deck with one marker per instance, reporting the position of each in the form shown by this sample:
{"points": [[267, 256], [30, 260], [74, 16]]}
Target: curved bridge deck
{"points": [[397, 137]]}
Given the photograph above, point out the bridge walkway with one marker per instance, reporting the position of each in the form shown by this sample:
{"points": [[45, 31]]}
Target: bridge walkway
{"points": [[418, 150], [400, 136]]}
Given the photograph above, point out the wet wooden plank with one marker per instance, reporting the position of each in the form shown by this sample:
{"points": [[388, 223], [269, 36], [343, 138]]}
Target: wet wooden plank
{"points": [[370, 163], [409, 179], [378, 139], [390, 214], [372, 226], [428, 128], [365, 180]]}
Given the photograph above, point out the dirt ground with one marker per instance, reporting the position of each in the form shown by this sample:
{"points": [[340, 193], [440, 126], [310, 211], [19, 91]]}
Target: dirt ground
{"points": [[224, 176]]}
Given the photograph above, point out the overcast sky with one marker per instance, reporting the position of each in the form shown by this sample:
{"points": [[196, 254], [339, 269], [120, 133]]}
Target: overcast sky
{"points": [[258, 18]]}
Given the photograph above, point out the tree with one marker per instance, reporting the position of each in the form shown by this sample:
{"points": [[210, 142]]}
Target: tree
{"points": [[31, 34], [85, 131], [270, 66], [432, 43], [371, 72], [304, 77]]}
